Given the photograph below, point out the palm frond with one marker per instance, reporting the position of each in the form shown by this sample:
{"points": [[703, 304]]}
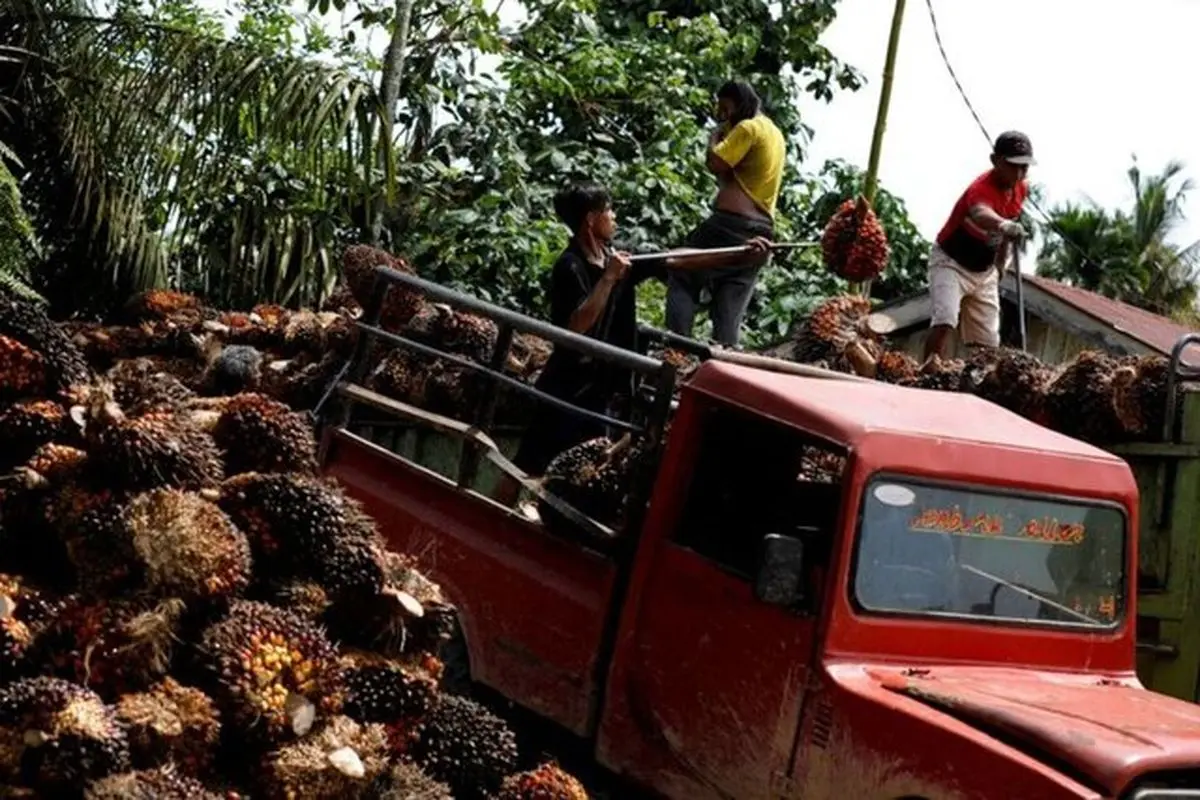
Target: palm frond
{"points": [[153, 122]]}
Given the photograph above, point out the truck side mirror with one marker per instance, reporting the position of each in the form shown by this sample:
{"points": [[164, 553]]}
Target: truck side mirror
{"points": [[780, 579]]}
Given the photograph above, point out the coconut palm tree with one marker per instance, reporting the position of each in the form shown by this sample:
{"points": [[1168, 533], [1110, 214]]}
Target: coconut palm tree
{"points": [[1123, 254]]}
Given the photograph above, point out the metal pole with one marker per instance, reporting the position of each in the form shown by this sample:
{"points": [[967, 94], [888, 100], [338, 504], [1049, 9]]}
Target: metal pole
{"points": [[1020, 293], [885, 97]]}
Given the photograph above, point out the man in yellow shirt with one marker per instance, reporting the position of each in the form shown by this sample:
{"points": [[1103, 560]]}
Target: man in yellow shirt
{"points": [[746, 153]]}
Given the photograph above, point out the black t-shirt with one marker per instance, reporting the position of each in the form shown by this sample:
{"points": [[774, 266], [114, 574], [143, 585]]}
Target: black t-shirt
{"points": [[569, 374]]}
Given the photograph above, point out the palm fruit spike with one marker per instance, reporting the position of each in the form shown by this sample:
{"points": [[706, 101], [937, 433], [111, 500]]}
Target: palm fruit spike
{"points": [[306, 527], [380, 689], [1079, 399], [26, 426], [162, 783], [158, 449], [113, 646], [171, 723], [22, 369], [341, 760], [547, 782], [467, 747], [273, 671], [1140, 395], [141, 385], [854, 244], [59, 735], [27, 323], [259, 434], [187, 546], [406, 781], [400, 303], [25, 612]]}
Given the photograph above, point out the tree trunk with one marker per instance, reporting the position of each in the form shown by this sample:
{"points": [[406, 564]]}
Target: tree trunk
{"points": [[389, 90]]}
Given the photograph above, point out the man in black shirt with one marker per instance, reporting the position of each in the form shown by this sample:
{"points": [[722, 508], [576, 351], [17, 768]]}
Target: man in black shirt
{"points": [[593, 291]]}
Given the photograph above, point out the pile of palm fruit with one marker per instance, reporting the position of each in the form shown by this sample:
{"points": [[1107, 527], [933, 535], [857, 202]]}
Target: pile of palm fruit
{"points": [[1095, 397], [187, 610]]}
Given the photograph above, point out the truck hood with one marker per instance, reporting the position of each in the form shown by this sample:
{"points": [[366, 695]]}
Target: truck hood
{"points": [[1109, 730]]}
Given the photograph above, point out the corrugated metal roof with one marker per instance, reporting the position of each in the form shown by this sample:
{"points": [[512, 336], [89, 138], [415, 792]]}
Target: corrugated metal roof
{"points": [[1150, 329]]}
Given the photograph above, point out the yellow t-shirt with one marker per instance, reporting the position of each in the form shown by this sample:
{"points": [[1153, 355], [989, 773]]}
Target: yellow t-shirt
{"points": [[755, 149]]}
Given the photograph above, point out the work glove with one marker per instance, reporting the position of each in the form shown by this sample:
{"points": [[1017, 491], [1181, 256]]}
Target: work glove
{"points": [[1010, 229]]}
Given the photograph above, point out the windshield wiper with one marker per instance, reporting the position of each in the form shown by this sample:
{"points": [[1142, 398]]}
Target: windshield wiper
{"points": [[1032, 595]]}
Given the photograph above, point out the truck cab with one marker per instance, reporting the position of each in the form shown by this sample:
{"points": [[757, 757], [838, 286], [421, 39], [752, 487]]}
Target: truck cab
{"points": [[829, 588]]}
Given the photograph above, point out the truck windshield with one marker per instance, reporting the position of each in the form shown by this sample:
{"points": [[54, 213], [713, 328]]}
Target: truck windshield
{"points": [[949, 551]]}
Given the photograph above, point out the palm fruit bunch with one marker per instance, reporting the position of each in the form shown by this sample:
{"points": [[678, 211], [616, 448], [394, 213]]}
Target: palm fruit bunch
{"points": [[1140, 395], [27, 425], [1080, 399], [160, 783], [272, 672], [25, 613], [835, 335], [467, 747], [343, 759], [382, 689], [143, 384], [547, 782], [25, 327], [302, 527], [258, 434], [400, 304], [854, 244], [1009, 378], [895, 366], [161, 448], [185, 546], [186, 609], [594, 477], [112, 646], [406, 781], [170, 723], [819, 465], [468, 335], [55, 736], [942, 374]]}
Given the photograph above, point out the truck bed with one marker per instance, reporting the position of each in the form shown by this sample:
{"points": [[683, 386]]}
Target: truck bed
{"points": [[532, 606]]}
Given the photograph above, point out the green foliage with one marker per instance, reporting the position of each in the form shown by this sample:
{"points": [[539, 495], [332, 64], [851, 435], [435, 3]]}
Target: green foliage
{"points": [[18, 243], [1125, 254]]}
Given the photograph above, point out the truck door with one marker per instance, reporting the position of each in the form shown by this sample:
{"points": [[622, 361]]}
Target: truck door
{"points": [[707, 683]]}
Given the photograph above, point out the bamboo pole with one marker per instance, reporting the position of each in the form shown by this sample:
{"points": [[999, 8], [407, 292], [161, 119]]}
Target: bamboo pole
{"points": [[885, 97]]}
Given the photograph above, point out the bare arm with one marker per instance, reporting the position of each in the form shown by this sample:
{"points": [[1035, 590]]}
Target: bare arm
{"points": [[985, 217], [589, 311]]}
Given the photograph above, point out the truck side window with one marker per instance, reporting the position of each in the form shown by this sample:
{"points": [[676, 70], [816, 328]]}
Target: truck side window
{"points": [[755, 476]]}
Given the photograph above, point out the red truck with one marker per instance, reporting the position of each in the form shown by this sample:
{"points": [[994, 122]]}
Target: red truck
{"points": [[944, 607]]}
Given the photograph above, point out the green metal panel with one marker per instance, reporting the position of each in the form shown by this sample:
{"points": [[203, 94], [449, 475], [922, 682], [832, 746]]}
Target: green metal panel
{"points": [[1168, 477]]}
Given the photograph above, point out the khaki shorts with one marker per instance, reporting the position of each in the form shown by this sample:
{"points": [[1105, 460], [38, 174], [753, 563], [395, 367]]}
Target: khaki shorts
{"points": [[969, 301]]}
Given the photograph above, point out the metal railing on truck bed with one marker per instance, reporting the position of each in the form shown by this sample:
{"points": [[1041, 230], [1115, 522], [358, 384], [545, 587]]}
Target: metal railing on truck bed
{"points": [[647, 414]]}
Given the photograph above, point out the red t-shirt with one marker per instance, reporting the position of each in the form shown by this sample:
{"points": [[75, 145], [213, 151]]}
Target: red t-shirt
{"points": [[962, 239]]}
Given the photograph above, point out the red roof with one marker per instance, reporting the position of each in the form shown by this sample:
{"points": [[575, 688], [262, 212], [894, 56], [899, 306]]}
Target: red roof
{"points": [[846, 412], [1152, 330]]}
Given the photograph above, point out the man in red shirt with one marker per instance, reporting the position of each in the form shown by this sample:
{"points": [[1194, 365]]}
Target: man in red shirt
{"points": [[971, 251]]}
